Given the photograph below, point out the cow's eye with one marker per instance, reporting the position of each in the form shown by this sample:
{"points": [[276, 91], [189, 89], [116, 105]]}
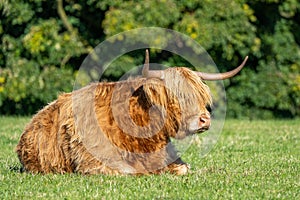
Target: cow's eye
{"points": [[208, 108]]}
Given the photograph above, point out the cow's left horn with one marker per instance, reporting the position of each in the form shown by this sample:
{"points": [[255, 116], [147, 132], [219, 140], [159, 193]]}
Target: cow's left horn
{"points": [[151, 73], [221, 76], [145, 71]]}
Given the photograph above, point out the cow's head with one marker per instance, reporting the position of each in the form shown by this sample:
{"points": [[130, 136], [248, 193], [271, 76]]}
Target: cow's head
{"points": [[187, 88]]}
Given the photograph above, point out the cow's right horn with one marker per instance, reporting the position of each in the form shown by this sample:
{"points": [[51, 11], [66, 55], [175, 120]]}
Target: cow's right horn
{"points": [[221, 76]]}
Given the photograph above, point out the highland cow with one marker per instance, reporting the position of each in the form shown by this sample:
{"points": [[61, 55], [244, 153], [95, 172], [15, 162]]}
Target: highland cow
{"points": [[120, 127]]}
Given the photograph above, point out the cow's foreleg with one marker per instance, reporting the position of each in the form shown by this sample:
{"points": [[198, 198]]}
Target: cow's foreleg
{"points": [[178, 167]]}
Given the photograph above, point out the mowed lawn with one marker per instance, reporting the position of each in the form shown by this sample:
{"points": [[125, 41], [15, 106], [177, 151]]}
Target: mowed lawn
{"points": [[252, 160]]}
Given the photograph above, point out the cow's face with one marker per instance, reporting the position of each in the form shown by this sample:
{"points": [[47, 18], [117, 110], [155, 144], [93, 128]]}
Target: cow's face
{"points": [[198, 123], [193, 98], [195, 121]]}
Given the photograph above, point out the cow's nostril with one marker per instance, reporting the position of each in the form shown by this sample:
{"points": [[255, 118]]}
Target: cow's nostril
{"points": [[204, 121]]}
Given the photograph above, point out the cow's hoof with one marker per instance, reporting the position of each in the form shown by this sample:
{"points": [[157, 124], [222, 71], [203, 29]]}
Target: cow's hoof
{"points": [[181, 169]]}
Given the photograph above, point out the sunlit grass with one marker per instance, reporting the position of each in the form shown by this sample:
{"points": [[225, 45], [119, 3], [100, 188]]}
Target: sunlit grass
{"points": [[252, 160]]}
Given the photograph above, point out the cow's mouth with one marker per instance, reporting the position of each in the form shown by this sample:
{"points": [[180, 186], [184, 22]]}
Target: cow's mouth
{"points": [[183, 134], [201, 130], [198, 131]]}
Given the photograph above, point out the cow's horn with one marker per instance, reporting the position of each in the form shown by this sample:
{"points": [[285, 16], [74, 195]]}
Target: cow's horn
{"points": [[221, 76], [150, 73], [145, 71]]}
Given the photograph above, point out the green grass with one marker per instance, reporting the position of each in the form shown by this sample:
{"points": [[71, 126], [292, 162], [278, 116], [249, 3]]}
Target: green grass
{"points": [[252, 160]]}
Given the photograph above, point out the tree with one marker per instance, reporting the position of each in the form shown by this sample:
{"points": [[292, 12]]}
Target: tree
{"points": [[272, 87], [43, 44]]}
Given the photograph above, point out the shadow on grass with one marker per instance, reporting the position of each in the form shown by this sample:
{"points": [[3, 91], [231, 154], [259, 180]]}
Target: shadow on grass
{"points": [[17, 168]]}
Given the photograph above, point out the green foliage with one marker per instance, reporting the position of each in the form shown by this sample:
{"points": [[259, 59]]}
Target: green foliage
{"points": [[47, 45], [21, 94], [35, 53], [216, 28], [118, 18], [17, 12], [40, 48], [271, 88], [252, 160]]}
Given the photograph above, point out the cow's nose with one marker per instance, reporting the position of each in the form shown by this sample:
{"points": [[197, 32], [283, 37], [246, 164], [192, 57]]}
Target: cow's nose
{"points": [[204, 121]]}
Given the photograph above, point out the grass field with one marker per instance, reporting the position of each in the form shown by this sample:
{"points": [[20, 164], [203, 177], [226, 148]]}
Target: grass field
{"points": [[252, 160]]}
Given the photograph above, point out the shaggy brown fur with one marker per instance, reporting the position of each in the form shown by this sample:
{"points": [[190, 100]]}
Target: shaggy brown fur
{"points": [[115, 128]]}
